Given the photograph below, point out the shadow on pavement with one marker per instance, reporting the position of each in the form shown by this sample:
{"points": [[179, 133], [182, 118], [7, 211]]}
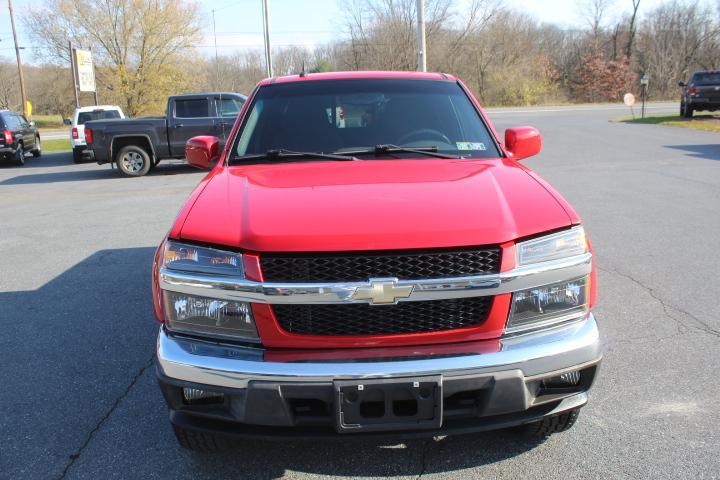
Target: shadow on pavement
{"points": [[47, 160], [68, 351], [99, 172], [706, 151], [364, 458]]}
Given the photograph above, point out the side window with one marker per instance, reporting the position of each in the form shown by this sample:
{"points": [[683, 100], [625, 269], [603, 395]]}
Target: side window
{"points": [[228, 107], [191, 108]]}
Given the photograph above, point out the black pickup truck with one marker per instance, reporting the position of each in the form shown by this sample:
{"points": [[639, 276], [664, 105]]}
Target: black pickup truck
{"points": [[701, 92], [137, 145]]}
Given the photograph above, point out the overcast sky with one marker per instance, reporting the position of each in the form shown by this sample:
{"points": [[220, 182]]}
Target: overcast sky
{"points": [[299, 22]]}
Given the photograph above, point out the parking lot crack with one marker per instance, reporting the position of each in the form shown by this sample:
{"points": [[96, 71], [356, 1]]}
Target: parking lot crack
{"points": [[74, 456], [668, 307], [423, 458]]}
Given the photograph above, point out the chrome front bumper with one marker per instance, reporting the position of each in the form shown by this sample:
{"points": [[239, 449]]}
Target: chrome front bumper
{"points": [[185, 360]]}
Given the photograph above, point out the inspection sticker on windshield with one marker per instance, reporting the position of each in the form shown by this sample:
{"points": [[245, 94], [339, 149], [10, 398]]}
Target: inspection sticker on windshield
{"points": [[470, 146]]}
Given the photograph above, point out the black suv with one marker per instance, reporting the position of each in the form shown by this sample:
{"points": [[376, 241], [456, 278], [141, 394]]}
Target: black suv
{"points": [[18, 137], [702, 92]]}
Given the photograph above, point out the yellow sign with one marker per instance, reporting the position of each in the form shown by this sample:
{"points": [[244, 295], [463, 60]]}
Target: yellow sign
{"points": [[28, 108], [85, 70]]}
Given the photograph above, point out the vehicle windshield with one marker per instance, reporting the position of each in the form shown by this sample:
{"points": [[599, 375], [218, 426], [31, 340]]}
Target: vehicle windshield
{"points": [[357, 114], [84, 117], [706, 79]]}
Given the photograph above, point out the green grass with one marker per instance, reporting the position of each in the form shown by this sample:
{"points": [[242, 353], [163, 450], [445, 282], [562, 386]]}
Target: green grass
{"points": [[708, 123], [48, 121], [56, 145]]}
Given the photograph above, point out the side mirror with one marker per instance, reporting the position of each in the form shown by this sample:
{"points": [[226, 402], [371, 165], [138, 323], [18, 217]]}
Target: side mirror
{"points": [[522, 142], [681, 84], [202, 151], [32, 123], [67, 121]]}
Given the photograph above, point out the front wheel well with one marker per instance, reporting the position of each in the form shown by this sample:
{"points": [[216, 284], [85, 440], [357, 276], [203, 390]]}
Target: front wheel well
{"points": [[141, 142]]}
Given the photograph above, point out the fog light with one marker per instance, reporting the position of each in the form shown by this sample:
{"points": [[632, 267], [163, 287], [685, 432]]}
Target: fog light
{"points": [[568, 379], [197, 396]]}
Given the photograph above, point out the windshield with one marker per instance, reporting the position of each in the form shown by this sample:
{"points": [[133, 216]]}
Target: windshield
{"points": [[84, 117], [706, 79], [336, 115]]}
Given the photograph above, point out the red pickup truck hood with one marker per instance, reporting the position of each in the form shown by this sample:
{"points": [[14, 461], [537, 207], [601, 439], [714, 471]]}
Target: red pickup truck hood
{"points": [[370, 205]]}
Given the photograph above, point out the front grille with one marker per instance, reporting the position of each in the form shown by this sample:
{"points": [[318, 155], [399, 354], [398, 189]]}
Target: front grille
{"points": [[360, 267], [363, 319]]}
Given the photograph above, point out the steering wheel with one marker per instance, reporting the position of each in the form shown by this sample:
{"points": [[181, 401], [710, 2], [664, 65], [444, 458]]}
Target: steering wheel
{"points": [[423, 134]]}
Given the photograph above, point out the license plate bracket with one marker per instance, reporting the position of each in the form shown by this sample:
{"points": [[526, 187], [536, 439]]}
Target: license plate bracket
{"points": [[388, 404]]}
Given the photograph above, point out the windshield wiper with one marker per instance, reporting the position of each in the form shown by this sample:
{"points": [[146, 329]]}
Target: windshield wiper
{"points": [[431, 151], [283, 154]]}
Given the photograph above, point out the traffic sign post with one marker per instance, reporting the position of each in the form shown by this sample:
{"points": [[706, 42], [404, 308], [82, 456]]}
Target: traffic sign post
{"points": [[643, 90]]}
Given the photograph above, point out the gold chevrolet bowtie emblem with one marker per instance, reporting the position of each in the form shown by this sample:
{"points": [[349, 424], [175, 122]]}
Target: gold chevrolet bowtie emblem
{"points": [[382, 291]]}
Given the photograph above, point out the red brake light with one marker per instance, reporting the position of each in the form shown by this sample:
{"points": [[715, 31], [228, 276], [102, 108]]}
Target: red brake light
{"points": [[88, 136], [8, 136], [692, 90], [75, 134]]}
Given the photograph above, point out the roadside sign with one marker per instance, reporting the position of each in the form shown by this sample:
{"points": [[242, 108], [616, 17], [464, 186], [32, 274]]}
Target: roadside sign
{"points": [[28, 108], [629, 99], [85, 70]]}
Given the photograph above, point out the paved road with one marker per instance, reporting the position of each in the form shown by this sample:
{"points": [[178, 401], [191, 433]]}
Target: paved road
{"points": [[77, 392]]}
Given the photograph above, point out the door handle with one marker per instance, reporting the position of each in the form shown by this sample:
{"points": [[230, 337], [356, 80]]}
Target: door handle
{"points": [[178, 125]]}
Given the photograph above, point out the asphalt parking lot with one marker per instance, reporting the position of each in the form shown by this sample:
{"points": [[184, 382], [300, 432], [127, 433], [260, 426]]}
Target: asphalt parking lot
{"points": [[78, 397]]}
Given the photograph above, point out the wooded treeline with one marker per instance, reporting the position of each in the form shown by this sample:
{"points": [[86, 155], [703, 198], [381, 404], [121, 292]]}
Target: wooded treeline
{"points": [[146, 49]]}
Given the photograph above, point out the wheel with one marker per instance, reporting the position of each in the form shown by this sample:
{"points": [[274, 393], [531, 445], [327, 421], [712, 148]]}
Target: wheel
{"points": [[200, 441], [77, 154], [37, 151], [688, 111], [133, 161], [549, 425], [19, 156]]}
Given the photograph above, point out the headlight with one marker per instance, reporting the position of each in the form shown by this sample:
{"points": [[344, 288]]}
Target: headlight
{"points": [[201, 315], [548, 305], [209, 316], [191, 258], [551, 247]]}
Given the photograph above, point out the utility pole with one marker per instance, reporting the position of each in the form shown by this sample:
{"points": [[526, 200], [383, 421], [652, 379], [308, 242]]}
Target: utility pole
{"points": [[95, 91], [422, 55], [74, 75], [217, 65], [266, 32], [17, 54]]}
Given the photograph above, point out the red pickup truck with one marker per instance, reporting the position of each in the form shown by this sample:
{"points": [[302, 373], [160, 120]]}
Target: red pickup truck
{"points": [[367, 257]]}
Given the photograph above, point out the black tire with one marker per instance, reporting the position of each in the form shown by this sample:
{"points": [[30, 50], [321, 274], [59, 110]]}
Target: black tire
{"points": [[549, 425], [37, 151], [687, 111], [19, 156], [77, 155], [200, 441], [133, 161]]}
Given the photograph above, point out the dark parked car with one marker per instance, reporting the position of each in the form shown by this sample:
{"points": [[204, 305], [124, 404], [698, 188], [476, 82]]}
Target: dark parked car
{"points": [[701, 92], [136, 145], [19, 137]]}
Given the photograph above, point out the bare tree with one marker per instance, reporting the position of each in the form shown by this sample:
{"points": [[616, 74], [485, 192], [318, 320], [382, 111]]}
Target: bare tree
{"points": [[594, 13], [139, 44]]}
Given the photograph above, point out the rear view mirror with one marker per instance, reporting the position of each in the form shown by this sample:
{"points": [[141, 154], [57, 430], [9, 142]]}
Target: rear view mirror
{"points": [[202, 151], [67, 121], [522, 142]]}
